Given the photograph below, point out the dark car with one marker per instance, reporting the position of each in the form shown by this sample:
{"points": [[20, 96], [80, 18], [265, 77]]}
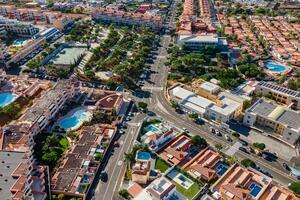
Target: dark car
{"points": [[243, 142], [103, 177], [243, 150], [269, 156], [286, 166]]}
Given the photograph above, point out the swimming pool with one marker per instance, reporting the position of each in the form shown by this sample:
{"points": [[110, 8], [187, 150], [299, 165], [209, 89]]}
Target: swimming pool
{"points": [[19, 41], [74, 118], [6, 98], [274, 67], [255, 189], [221, 169], [143, 155], [152, 128]]}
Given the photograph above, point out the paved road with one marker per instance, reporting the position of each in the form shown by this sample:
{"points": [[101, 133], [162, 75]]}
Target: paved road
{"points": [[158, 104], [115, 167]]}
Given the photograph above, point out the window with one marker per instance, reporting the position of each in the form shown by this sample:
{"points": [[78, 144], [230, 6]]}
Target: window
{"points": [[248, 116], [290, 133], [248, 122]]}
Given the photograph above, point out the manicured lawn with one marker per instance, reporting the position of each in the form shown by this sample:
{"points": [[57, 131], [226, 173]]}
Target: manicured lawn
{"points": [[188, 193], [161, 165]]}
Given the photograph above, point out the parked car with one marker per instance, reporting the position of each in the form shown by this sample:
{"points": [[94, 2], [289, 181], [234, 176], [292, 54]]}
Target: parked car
{"points": [[243, 142], [212, 130], [228, 138], [185, 130], [103, 177], [286, 166], [243, 149]]}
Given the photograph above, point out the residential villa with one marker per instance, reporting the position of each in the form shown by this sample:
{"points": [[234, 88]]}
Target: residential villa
{"points": [[203, 165], [141, 171], [158, 135], [240, 183], [160, 188], [278, 193], [177, 150]]}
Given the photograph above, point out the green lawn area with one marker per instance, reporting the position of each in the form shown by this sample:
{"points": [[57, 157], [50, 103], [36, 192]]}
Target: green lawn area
{"points": [[188, 193], [161, 165]]}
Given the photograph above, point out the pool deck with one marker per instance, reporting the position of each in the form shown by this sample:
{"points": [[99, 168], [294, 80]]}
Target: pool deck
{"points": [[71, 113]]}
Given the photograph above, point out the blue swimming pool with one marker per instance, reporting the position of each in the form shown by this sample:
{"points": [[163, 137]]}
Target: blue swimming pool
{"points": [[255, 189], [152, 128], [6, 98], [221, 169], [19, 41], [73, 119], [275, 67], [143, 155]]}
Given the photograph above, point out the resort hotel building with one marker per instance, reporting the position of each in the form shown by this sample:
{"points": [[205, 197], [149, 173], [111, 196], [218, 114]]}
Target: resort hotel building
{"points": [[278, 121]]}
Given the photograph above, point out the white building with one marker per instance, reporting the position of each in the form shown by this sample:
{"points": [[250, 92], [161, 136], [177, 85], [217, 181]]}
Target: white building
{"points": [[278, 121], [196, 40], [226, 106], [160, 188]]}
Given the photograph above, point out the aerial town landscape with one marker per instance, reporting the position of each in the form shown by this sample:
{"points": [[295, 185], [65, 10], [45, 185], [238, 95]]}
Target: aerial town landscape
{"points": [[150, 99]]}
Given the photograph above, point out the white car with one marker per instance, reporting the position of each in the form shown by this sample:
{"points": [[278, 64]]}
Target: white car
{"points": [[228, 138], [185, 130]]}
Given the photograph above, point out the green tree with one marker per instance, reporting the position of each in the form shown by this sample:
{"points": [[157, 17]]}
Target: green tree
{"points": [[295, 187], [260, 146], [218, 146], [193, 116], [124, 193], [142, 105], [248, 163], [199, 141]]}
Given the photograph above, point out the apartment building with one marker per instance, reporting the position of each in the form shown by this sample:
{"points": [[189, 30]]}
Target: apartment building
{"points": [[109, 15], [279, 94], [18, 27], [29, 180], [278, 121], [207, 100], [76, 173], [26, 50], [241, 184]]}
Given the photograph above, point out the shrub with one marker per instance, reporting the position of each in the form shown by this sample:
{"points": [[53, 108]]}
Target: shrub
{"points": [[260, 146], [124, 193]]}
